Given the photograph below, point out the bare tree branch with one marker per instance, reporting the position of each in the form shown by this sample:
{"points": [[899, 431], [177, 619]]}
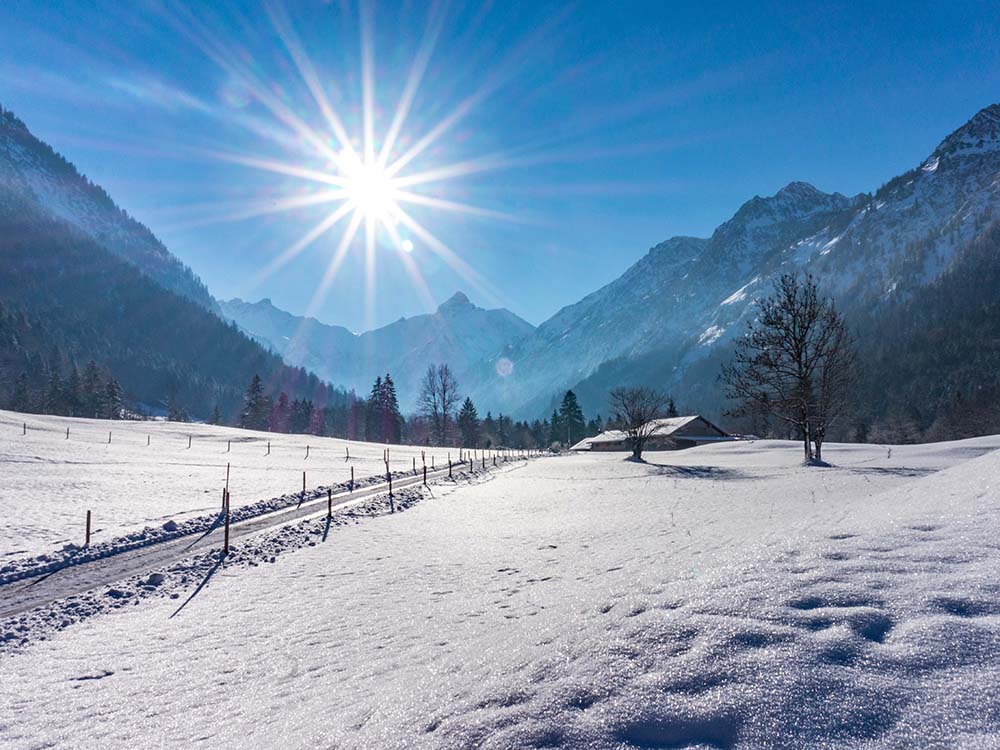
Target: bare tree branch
{"points": [[637, 407], [795, 363]]}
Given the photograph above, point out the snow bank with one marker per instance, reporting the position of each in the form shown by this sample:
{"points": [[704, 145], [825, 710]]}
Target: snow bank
{"points": [[50, 482], [723, 597]]}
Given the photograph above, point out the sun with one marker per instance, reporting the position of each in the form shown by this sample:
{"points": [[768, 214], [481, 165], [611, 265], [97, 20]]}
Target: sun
{"points": [[369, 188]]}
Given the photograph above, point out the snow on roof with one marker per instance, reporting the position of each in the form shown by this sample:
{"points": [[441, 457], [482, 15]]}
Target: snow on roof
{"points": [[662, 428]]}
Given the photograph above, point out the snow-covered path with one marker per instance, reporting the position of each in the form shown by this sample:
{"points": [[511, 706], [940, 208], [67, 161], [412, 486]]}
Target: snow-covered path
{"points": [[50, 482], [723, 597], [37, 590]]}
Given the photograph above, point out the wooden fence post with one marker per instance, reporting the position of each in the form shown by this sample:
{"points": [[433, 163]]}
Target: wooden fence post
{"points": [[329, 503], [87, 542], [229, 445], [189, 442], [109, 437], [268, 448], [425, 475], [303, 484], [388, 476], [352, 479], [307, 451], [147, 440], [414, 464], [225, 546], [347, 450], [449, 468], [24, 428], [67, 433]]}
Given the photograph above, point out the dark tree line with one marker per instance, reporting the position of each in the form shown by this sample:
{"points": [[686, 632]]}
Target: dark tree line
{"points": [[67, 301], [92, 393], [565, 427], [931, 361]]}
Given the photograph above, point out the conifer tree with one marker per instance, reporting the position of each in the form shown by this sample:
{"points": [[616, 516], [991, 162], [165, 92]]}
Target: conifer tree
{"points": [[113, 400], [91, 389], [503, 431], [671, 408], [73, 394], [539, 431], [256, 409], [594, 426], [215, 418], [373, 414], [468, 424], [300, 416], [280, 413], [54, 396], [20, 397], [488, 431], [392, 420], [555, 428], [571, 421], [176, 412]]}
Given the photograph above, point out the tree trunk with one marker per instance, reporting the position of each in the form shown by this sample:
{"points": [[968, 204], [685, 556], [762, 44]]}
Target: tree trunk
{"points": [[819, 449]]}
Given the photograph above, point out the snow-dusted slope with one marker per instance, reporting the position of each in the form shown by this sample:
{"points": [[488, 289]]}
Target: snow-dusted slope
{"points": [[688, 296], [665, 300], [30, 167], [50, 482], [723, 597], [457, 333], [304, 342]]}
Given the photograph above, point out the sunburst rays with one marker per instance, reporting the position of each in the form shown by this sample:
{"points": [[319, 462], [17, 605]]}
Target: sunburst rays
{"points": [[366, 179]]}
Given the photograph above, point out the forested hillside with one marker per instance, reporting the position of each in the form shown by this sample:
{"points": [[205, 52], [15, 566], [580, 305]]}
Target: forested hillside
{"points": [[932, 360], [67, 301]]}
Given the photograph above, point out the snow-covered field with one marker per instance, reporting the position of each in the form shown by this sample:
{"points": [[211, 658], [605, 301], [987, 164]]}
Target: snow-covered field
{"points": [[49, 483], [722, 597]]}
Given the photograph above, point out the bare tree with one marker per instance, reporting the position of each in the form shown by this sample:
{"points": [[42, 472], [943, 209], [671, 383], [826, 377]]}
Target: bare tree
{"points": [[796, 362], [438, 400], [636, 408]]}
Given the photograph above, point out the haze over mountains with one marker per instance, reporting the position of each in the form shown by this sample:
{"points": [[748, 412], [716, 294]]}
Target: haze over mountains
{"points": [[666, 321], [458, 333], [671, 317], [30, 167], [80, 280]]}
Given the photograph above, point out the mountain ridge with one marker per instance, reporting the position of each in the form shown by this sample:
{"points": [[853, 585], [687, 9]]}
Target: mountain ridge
{"points": [[689, 296], [28, 164], [457, 332]]}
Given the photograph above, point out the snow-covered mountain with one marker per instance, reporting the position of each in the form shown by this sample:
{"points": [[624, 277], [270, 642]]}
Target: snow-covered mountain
{"points": [[458, 333], [681, 304], [30, 167]]}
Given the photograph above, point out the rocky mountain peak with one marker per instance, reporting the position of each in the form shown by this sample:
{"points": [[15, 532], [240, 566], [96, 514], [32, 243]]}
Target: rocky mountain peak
{"points": [[458, 301], [980, 134], [795, 200]]}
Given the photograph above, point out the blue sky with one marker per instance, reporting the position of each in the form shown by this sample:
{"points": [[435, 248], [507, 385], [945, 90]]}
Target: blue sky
{"points": [[605, 127]]}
